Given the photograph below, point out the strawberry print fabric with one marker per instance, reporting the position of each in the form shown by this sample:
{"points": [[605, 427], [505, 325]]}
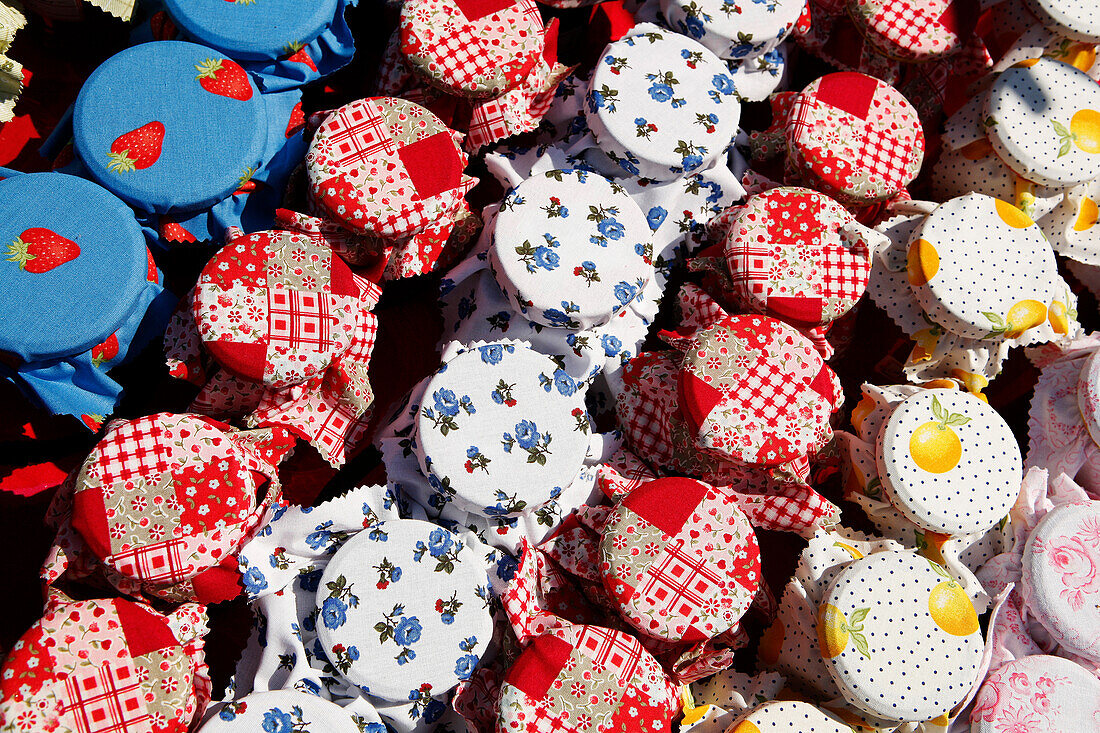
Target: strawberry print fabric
{"points": [[680, 559], [471, 47], [386, 167], [107, 666]]}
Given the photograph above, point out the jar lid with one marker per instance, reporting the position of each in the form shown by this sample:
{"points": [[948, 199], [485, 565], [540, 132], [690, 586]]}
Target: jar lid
{"points": [[386, 167], [282, 711], [661, 105], [73, 265], [900, 637], [949, 462], [501, 430], [971, 289], [404, 611], [680, 559], [1088, 395], [1060, 581], [472, 48], [757, 391], [276, 307], [855, 137], [247, 30], [570, 249], [915, 32], [1043, 120], [1076, 19], [790, 256], [170, 126], [790, 715], [1037, 692], [734, 30], [586, 678]]}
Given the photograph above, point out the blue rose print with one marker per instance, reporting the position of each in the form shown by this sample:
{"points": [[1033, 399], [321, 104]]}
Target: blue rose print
{"points": [[694, 27], [656, 217], [625, 292], [446, 403], [691, 162], [611, 229], [546, 258], [611, 344], [660, 91], [564, 383], [439, 542], [506, 568], [276, 721], [491, 354], [309, 581], [723, 83], [527, 434], [334, 613], [465, 666], [466, 307], [407, 631], [254, 581]]}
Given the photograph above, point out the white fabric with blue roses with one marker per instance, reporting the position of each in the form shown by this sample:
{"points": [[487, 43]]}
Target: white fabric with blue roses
{"points": [[518, 454], [287, 711]]}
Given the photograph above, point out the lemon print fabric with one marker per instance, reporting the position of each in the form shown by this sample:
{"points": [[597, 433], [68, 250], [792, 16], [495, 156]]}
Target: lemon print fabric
{"points": [[1043, 120], [982, 268], [793, 716], [900, 638], [949, 462]]}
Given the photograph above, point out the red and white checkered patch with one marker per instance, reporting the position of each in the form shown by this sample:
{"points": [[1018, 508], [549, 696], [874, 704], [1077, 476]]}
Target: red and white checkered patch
{"points": [[161, 563], [134, 450], [678, 585], [299, 320], [358, 134], [105, 699], [613, 649]]}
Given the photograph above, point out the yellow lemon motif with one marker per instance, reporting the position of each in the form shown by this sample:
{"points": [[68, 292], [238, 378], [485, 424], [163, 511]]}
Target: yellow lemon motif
{"points": [[922, 263], [1082, 56], [834, 631], [1022, 316], [856, 554], [1087, 214], [1085, 128], [1012, 216], [1025, 64], [771, 643], [940, 384], [851, 720], [930, 544], [950, 607], [934, 446], [927, 340], [860, 412], [694, 715], [974, 383], [1059, 317], [746, 727]]}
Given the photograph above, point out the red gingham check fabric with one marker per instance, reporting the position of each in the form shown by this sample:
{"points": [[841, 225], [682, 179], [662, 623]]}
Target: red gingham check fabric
{"points": [[108, 699], [844, 274], [884, 153], [299, 320], [791, 508], [133, 450], [359, 134], [902, 23], [749, 265], [613, 649], [647, 401], [158, 563], [682, 582]]}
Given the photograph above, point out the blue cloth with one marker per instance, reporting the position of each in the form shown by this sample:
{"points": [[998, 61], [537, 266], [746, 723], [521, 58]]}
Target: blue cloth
{"points": [[54, 319]]}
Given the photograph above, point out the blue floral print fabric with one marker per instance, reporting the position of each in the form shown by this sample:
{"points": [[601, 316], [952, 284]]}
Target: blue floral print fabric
{"points": [[288, 711]]}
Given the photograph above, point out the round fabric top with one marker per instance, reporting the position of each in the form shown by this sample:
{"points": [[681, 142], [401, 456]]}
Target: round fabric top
{"points": [[1043, 120], [475, 48], [758, 391], [283, 711], [251, 30], [734, 30], [949, 462], [855, 137], [1039, 692], [915, 32], [1076, 19], [789, 257], [975, 290], [276, 307], [791, 715], [661, 105], [1088, 395], [681, 559], [586, 678], [170, 126], [175, 485], [503, 428], [899, 636], [570, 249], [73, 262], [404, 610], [385, 166], [1060, 577]]}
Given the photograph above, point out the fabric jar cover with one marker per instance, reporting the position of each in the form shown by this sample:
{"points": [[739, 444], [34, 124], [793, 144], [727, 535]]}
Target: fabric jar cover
{"points": [[107, 665], [1088, 395], [949, 253], [387, 167], [586, 678], [790, 715], [170, 126], [78, 288], [795, 254], [1043, 120], [915, 32], [560, 231], [407, 618], [661, 105], [878, 613], [757, 392], [1060, 579], [471, 48], [500, 430], [734, 30], [277, 308], [854, 138], [165, 500], [285, 711], [1074, 19], [949, 462], [680, 559], [1038, 692]]}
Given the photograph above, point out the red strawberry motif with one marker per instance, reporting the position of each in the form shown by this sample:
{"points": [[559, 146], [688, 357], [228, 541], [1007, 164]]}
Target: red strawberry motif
{"points": [[173, 232], [225, 78], [94, 422], [105, 351], [297, 121], [39, 250], [136, 149], [301, 56], [150, 267]]}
